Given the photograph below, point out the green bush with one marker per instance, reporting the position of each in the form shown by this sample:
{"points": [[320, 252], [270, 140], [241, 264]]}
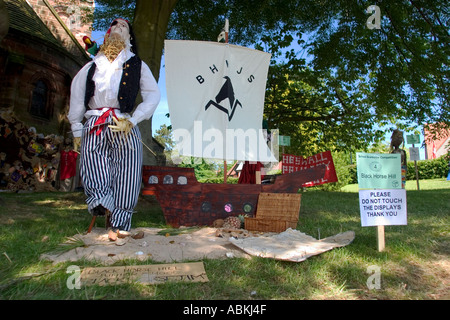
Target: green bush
{"points": [[353, 174], [230, 180], [428, 169]]}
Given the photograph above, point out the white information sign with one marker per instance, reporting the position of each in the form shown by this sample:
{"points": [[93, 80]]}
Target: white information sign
{"points": [[414, 154], [382, 207]]}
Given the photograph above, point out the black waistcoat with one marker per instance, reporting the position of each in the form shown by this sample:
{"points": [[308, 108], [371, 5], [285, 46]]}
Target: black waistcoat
{"points": [[129, 84]]}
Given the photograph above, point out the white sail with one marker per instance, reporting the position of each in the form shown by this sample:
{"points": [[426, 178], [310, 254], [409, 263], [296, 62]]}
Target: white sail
{"points": [[215, 93]]}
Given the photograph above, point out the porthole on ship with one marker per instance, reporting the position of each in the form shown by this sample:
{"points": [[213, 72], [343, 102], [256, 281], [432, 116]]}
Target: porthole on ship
{"points": [[247, 208], [206, 206]]}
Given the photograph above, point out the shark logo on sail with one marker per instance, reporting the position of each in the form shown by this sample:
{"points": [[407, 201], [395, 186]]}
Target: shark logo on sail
{"points": [[226, 93]]}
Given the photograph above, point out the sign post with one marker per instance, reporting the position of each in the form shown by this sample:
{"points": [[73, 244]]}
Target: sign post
{"points": [[414, 153], [382, 199], [381, 239]]}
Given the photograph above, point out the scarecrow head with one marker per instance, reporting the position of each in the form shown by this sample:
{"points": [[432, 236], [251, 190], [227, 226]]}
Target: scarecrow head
{"points": [[122, 28]]}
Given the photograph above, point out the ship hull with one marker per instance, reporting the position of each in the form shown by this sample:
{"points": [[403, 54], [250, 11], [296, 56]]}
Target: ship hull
{"points": [[187, 202]]}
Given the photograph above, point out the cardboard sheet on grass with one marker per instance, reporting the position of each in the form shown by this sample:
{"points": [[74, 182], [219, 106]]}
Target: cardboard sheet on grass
{"points": [[196, 245], [292, 245]]}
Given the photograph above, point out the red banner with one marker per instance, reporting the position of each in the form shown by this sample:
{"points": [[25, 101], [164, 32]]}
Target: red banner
{"points": [[293, 163]]}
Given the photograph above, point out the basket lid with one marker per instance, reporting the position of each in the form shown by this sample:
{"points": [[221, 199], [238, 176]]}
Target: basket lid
{"points": [[279, 206]]}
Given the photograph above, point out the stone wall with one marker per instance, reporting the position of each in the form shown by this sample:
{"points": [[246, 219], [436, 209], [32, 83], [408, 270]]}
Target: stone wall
{"points": [[59, 15]]}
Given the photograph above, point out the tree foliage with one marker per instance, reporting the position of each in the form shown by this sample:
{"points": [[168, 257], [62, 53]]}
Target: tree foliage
{"points": [[332, 81], [108, 10], [404, 63], [164, 137]]}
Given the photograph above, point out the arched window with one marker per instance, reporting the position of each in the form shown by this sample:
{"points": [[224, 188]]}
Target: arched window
{"points": [[39, 100], [153, 180], [182, 180], [168, 179]]}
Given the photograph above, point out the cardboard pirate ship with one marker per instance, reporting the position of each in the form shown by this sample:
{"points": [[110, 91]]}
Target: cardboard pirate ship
{"points": [[216, 97]]}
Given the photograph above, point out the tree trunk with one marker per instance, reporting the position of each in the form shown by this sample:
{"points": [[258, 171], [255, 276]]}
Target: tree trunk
{"points": [[151, 18]]}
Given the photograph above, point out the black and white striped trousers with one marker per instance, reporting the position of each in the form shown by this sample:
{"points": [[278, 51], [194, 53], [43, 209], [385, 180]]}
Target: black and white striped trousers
{"points": [[111, 171]]}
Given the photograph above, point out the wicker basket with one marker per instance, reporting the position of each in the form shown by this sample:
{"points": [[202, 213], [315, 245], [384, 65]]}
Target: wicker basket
{"points": [[276, 212], [268, 225]]}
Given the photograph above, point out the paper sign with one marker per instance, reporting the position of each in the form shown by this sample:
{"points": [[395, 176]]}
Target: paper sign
{"points": [[414, 154], [379, 171], [146, 274], [284, 141], [413, 139], [382, 207]]}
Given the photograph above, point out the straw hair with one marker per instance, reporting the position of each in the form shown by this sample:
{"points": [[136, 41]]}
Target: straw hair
{"points": [[112, 46]]}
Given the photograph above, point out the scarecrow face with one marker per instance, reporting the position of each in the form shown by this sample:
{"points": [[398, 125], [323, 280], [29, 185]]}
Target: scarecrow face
{"points": [[119, 27]]}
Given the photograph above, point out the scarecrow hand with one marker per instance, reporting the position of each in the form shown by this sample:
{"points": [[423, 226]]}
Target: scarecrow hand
{"points": [[76, 144], [122, 125]]}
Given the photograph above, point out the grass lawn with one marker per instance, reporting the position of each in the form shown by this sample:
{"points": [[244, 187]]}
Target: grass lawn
{"points": [[415, 264]]}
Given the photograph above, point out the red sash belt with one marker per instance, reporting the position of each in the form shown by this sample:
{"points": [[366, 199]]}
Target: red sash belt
{"points": [[99, 124]]}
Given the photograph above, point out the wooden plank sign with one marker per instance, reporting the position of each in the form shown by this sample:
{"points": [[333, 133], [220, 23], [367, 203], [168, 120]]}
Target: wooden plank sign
{"points": [[145, 274]]}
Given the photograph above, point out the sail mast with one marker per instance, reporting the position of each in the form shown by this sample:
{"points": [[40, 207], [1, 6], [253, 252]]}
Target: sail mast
{"points": [[224, 35]]}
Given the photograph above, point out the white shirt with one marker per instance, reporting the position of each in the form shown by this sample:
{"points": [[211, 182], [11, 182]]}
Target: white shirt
{"points": [[107, 82]]}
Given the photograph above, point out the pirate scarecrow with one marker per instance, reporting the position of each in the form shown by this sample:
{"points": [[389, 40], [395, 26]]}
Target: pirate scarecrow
{"points": [[104, 92]]}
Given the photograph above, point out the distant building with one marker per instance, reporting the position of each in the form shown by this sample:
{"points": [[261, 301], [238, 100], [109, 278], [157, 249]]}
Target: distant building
{"points": [[39, 56], [436, 146], [74, 15]]}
